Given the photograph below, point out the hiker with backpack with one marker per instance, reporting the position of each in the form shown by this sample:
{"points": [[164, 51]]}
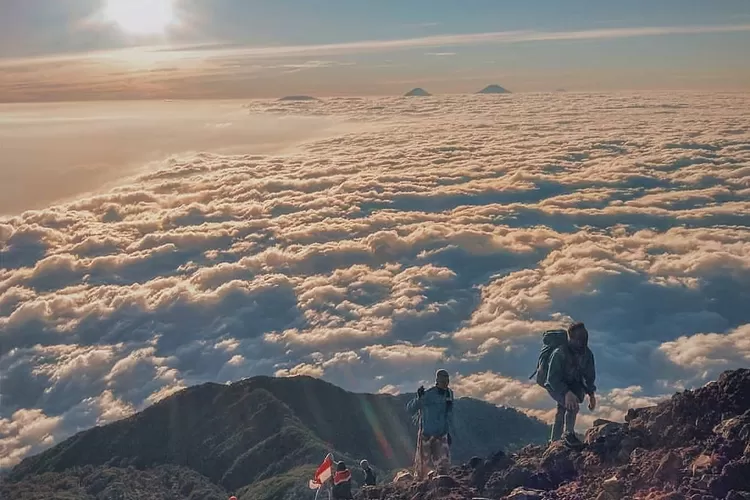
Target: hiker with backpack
{"points": [[434, 410], [566, 369]]}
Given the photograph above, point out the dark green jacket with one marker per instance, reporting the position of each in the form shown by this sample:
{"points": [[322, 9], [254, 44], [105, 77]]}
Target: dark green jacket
{"points": [[571, 372]]}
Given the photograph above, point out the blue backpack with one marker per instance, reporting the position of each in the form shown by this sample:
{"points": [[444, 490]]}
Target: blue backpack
{"points": [[551, 340]]}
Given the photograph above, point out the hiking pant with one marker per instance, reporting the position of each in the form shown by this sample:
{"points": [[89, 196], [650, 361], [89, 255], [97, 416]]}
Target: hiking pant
{"points": [[565, 420], [434, 453]]}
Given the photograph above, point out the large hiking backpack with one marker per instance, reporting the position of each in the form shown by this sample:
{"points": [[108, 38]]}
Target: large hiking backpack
{"points": [[551, 340]]}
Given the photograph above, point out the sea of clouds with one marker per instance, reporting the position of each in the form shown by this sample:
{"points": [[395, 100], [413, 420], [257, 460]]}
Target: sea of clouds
{"points": [[449, 232]]}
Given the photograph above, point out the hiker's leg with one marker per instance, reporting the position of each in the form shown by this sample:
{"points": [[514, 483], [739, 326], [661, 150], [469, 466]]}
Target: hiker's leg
{"points": [[443, 462], [425, 458], [570, 421], [434, 454], [419, 456], [558, 424]]}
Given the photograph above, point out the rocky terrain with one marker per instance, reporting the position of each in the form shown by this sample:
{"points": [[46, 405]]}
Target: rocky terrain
{"points": [[695, 446]]}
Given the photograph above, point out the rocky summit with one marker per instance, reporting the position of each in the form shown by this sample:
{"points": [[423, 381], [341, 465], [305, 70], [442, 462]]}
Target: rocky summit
{"points": [[695, 446]]}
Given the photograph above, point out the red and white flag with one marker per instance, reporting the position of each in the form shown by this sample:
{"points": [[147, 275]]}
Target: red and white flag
{"points": [[323, 473]]}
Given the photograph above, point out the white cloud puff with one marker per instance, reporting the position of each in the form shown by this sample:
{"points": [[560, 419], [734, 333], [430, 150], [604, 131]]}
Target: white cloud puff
{"points": [[439, 233], [710, 353]]}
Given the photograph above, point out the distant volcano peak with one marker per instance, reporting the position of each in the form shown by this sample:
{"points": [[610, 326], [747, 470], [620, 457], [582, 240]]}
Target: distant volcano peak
{"points": [[494, 89], [417, 92]]}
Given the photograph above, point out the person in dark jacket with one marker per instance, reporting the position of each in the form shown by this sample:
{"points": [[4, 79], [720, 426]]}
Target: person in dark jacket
{"points": [[434, 409], [571, 377], [342, 483], [370, 478]]}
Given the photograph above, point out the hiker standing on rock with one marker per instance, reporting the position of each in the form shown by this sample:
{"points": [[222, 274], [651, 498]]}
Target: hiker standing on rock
{"points": [[434, 409], [566, 369], [369, 473]]}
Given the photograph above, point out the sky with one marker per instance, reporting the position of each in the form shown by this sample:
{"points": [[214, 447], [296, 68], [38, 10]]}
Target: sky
{"points": [[52, 50]]}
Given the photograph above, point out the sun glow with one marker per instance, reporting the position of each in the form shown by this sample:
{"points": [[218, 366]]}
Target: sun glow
{"points": [[140, 17]]}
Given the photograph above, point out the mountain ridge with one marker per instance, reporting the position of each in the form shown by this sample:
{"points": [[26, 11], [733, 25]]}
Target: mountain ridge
{"points": [[263, 428]]}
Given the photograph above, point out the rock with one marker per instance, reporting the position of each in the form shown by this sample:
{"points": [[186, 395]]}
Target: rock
{"points": [[614, 487], [602, 421], [603, 431], [475, 462], [481, 473], [666, 496], [627, 445], [558, 463], [525, 494], [443, 481], [669, 467], [734, 476], [735, 428], [403, 476], [738, 495], [703, 464], [631, 415], [503, 482]]}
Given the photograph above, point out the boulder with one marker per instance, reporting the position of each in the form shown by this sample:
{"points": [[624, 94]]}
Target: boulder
{"points": [[614, 486], [669, 467], [704, 464], [558, 463], [734, 476], [525, 494], [736, 428], [503, 482], [443, 481], [603, 430], [403, 476]]}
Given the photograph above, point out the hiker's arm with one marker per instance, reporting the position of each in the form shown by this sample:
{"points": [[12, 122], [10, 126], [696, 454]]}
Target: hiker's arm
{"points": [[449, 417], [555, 380], [414, 405], [590, 375]]}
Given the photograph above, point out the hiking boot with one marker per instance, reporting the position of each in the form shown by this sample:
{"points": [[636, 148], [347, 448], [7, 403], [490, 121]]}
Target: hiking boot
{"points": [[571, 441]]}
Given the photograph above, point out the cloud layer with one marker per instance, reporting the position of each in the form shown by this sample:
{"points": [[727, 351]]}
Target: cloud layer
{"points": [[448, 233]]}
